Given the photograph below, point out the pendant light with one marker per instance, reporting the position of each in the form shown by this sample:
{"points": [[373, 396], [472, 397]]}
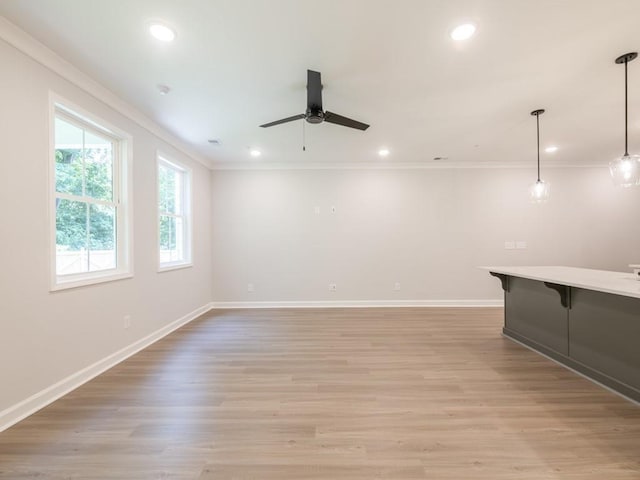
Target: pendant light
{"points": [[539, 192], [625, 170]]}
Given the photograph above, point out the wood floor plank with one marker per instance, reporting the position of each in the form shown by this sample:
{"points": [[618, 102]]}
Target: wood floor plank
{"points": [[349, 394]]}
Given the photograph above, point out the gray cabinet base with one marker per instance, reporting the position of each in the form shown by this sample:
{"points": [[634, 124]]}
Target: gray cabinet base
{"points": [[594, 333], [594, 375], [534, 311], [604, 333]]}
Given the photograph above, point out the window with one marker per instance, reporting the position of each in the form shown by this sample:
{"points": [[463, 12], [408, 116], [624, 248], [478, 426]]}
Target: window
{"points": [[91, 241], [174, 214]]}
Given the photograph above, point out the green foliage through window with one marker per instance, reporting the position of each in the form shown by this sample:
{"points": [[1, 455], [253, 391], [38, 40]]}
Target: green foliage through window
{"points": [[89, 176], [86, 203], [173, 185]]}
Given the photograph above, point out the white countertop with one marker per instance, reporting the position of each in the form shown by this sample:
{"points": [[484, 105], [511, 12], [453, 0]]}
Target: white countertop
{"points": [[618, 283]]}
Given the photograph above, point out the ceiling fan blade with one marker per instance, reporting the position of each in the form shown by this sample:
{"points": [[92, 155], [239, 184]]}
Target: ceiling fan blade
{"points": [[314, 90], [284, 120], [344, 121]]}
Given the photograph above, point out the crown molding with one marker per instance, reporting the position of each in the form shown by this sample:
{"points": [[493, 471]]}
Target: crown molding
{"points": [[25, 43], [254, 165]]}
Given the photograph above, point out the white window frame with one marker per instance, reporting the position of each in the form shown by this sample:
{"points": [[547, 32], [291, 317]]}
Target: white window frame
{"points": [[187, 175], [122, 195]]}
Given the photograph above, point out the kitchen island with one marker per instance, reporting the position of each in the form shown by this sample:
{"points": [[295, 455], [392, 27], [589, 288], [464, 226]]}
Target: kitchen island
{"points": [[588, 320]]}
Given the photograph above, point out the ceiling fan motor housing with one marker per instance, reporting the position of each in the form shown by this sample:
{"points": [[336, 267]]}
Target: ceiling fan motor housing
{"points": [[314, 115]]}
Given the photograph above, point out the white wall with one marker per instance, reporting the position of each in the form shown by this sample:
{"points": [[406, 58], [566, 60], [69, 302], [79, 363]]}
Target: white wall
{"points": [[427, 229], [44, 336]]}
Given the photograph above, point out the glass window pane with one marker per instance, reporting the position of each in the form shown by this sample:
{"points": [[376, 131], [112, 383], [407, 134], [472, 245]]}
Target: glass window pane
{"points": [[98, 155], [162, 188], [167, 189], [102, 237], [71, 237], [178, 251], [172, 190], [68, 152], [171, 239], [167, 237], [178, 192]]}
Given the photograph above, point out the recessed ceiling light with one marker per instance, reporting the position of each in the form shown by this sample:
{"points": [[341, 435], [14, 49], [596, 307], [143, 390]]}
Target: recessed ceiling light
{"points": [[162, 32], [551, 149], [215, 141], [384, 152], [463, 32], [255, 152]]}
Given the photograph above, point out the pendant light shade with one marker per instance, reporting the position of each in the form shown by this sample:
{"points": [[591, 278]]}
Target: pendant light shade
{"points": [[625, 170], [540, 191]]}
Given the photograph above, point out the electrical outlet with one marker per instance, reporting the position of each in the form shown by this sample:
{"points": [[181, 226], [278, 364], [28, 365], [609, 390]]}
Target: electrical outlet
{"points": [[250, 288], [333, 287], [396, 287], [509, 245], [127, 321], [317, 210]]}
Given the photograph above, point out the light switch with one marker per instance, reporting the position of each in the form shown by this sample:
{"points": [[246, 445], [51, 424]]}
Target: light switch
{"points": [[521, 245], [509, 245]]}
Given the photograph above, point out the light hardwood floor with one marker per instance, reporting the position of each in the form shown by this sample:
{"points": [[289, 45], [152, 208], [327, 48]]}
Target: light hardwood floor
{"points": [[354, 394]]}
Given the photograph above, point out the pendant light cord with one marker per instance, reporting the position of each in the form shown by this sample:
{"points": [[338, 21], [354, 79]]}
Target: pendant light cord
{"points": [[538, 140], [626, 114]]}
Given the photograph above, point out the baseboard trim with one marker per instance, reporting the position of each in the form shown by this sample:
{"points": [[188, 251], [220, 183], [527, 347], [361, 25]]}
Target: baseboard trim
{"points": [[12, 415], [360, 304]]}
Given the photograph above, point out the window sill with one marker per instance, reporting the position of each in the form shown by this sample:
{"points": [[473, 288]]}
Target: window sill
{"points": [[88, 280], [174, 266]]}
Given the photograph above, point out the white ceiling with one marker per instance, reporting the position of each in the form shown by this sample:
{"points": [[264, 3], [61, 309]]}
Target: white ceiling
{"points": [[236, 64]]}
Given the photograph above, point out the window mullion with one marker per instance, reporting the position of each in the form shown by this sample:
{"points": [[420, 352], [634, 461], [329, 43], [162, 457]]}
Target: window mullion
{"points": [[169, 214], [94, 201]]}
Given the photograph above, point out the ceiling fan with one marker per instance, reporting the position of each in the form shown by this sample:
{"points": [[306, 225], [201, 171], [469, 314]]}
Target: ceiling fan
{"points": [[314, 112]]}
